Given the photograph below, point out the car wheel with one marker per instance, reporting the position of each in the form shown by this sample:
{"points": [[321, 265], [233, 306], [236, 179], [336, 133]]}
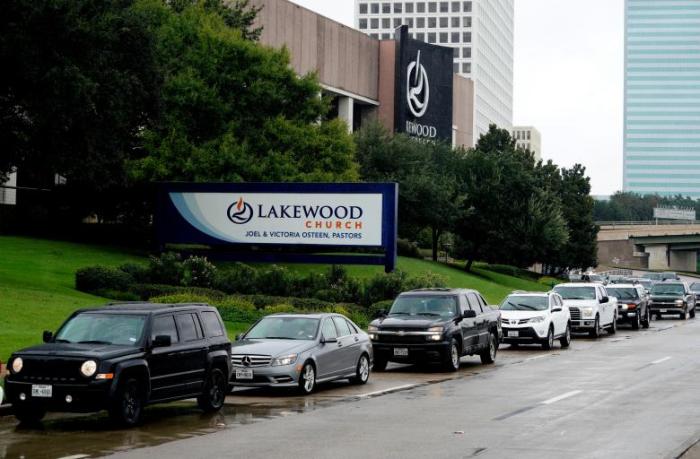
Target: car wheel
{"points": [[565, 340], [362, 371], [549, 343], [379, 363], [684, 314], [637, 322], [29, 414], [595, 333], [451, 358], [692, 313], [489, 355], [647, 319], [214, 395], [612, 328], [307, 379], [127, 406]]}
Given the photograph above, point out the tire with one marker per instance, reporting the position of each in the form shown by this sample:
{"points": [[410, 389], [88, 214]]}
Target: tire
{"points": [[127, 406], [637, 322], [379, 364], [565, 340], [488, 356], [549, 342], [30, 414], [595, 333], [647, 319], [214, 395], [692, 313], [684, 315], [612, 328], [450, 361], [362, 371], [307, 379]]}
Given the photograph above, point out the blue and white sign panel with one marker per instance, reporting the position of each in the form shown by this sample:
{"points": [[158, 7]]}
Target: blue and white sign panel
{"points": [[289, 217]]}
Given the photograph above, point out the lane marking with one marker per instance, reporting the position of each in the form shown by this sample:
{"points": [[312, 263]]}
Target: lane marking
{"points": [[561, 397], [660, 360], [515, 413], [386, 391], [75, 456]]}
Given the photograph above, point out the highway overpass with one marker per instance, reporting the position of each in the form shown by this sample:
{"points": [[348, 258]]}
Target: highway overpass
{"points": [[648, 245]]}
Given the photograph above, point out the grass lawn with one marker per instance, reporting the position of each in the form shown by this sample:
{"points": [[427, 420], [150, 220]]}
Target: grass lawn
{"points": [[37, 284]]}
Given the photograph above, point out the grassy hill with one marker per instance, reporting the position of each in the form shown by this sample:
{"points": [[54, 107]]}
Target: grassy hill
{"points": [[37, 284]]}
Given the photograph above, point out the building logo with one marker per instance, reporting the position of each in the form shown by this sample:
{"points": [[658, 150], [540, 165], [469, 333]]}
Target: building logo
{"points": [[240, 212], [417, 87]]}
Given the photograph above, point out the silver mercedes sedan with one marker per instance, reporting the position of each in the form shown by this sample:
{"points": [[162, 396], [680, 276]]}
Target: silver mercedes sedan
{"points": [[300, 351]]}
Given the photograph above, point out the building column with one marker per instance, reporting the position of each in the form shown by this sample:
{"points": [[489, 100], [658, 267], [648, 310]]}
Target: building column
{"points": [[684, 260], [658, 256], [346, 110]]}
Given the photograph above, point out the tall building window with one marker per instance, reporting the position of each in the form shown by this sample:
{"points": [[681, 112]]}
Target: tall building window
{"points": [[386, 36], [374, 35], [443, 37], [466, 52], [420, 36], [363, 8], [374, 7], [432, 23], [455, 53], [420, 7], [409, 22], [363, 23], [467, 21], [466, 67], [386, 23], [443, 22], [409, 7], [432, 7], [374, 23], [420, 23], [466, 37], [455, 22], [444, 7], [455, 7], [386, 8], [528, 135], [466, 7], [397, 22], [397, 7], [431, 37], [455, 39], [455, 67]]}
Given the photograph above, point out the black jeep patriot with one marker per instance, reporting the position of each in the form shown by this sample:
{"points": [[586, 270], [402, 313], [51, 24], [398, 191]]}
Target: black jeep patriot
{"points": [[122, 357], [436, 325]]}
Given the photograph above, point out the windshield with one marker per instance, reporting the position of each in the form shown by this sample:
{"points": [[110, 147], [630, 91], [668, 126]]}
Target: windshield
{"points": [[695, 286], [302, 328], [439, 306], [576, 293], [667, 289], [96, 328], [655, 276], [623, 293], [525, 303]]}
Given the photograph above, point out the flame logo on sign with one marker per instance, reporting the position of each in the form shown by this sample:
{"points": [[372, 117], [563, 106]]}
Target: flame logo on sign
{"points": [[417, 88], [240, 212]]}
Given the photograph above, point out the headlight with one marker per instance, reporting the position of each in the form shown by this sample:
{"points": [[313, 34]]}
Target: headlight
{"points": [[537, 319], [17, 364], [284, 360], [436, 329], [680, 302], [88, 368], [372, 328], [587, 312], [623, 307]]}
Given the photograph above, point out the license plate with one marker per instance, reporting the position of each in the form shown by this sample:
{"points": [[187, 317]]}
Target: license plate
{"points": [[513, 334], [401, 351], [663, 310], [41, 390], [244, 374]]}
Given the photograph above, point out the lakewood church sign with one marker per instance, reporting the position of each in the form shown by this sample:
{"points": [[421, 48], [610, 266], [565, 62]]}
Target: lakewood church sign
{"points": [[423, 98]]}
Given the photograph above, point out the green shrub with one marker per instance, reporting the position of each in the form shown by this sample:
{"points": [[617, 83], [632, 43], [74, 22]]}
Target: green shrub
{"points": [[379, 306], [181, 298], [277, 280], [384, 287], [198, 272], [165, 269], [360, 318], [147, 291], [549, 281], [138, 272], [233, 309], [406, 248], [304, 304], [116, 295], [425, 280], [280, 308], [239, 278], [102, 278]]}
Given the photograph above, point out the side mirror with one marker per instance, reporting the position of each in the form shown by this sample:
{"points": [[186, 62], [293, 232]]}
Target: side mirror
{"points": [[380, 313], [604, 300], [47, 336], [325, 340], [469, 314], [162, 341], [556, 308], [239, 336]]}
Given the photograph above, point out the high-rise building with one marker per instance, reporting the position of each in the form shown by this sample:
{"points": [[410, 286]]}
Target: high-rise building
{"points": [[528, 138], [662, 97], [480, 33]]}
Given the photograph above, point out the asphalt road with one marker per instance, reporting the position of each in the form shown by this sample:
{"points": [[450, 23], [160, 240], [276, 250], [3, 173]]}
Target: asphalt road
{"points": [[634, 394]]}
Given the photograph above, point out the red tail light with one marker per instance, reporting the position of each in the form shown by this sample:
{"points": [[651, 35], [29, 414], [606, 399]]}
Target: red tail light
{"points": [[631, 306]]}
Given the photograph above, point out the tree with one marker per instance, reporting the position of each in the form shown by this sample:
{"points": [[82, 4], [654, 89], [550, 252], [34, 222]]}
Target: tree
{"points": [[233, 110], [427, 174]]}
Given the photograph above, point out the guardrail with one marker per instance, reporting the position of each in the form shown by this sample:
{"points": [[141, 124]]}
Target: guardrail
{"points": [[648, 222]]}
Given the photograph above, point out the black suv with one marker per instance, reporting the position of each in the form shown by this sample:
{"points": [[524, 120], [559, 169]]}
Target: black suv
{"points": [[436, 324], [672, 298], [121, 357]]}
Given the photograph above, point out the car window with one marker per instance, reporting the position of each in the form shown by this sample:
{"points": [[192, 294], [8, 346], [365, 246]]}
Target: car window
{"points": [[164, 325], [474, 302], [482, 301], [198, 326], [342, 326], [576, 293], [353, 328], [186, 327], [695, 286], [329, 330], [464, 304], [212, 324]]}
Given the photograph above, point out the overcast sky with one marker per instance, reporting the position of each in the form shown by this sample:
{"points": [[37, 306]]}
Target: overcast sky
{"points": [[568, 79]]}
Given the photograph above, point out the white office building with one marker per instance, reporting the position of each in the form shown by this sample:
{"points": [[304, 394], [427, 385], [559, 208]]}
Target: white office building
{"points": [[479, 31], [528, 138]]}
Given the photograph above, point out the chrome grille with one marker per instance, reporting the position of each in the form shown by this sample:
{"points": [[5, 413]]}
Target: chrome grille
{"points": [[575, 313], [254, 359], [514, 321]]}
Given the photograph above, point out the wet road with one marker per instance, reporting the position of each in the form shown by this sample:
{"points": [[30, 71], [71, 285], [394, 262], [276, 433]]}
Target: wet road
{"points": [[634, 394]]}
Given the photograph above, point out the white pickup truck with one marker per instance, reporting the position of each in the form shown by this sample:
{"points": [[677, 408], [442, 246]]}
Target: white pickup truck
{"points": [[591, 308]]}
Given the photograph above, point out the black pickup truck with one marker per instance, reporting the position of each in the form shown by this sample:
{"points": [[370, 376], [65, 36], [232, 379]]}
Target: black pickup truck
{"points": [[122, 357], [436, 325]]}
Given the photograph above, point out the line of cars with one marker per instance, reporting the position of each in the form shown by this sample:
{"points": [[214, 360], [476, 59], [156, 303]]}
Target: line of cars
{"points": [[123, 357]]}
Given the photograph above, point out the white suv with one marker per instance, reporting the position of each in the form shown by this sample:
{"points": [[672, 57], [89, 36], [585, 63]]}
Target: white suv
{"points": [[592, 310], [535, 318]]}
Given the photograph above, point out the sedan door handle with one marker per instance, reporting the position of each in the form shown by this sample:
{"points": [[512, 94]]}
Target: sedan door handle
{"points": [[340, 344], [357, 339]]}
